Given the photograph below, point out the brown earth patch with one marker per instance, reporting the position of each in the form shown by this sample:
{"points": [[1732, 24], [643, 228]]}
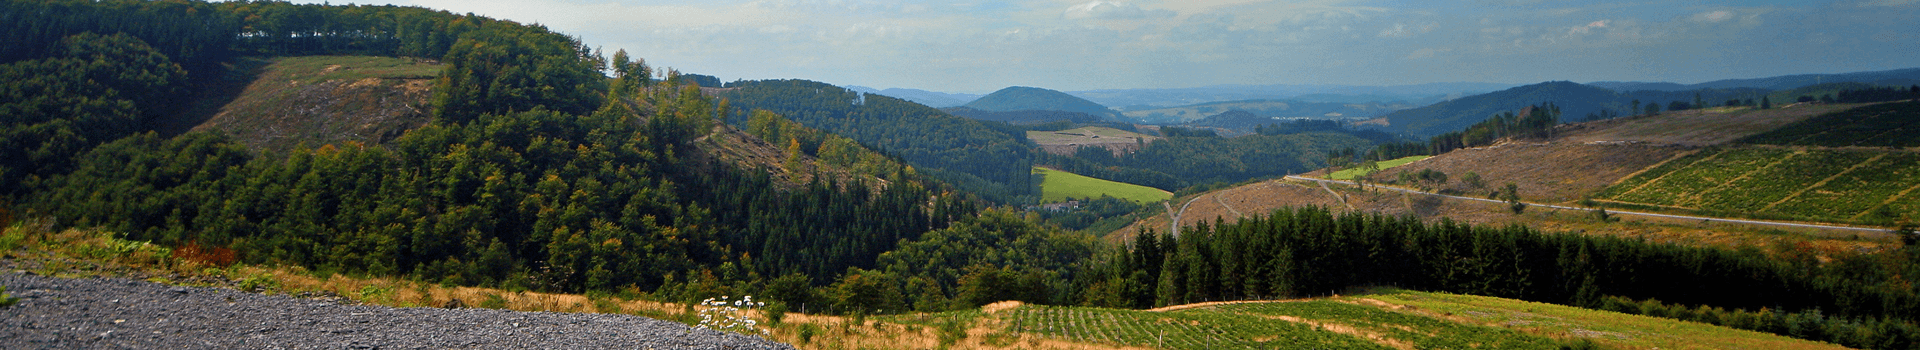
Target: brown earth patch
{"points": [[285, 107], [1557, 172]]}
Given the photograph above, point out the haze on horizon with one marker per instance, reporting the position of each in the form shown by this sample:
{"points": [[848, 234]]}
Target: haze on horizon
{"points": [[979, 46]]}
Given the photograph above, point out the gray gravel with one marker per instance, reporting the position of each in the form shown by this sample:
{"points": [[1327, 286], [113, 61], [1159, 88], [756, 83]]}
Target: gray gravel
{"points": [[112, 313]]}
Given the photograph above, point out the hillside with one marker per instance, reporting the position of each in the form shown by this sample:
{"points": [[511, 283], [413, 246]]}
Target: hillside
{"points": [[980, 158], [1587, 161], [1135, 99], [1067, 142], [930, 98], [1020, 98], [1060, 186], [1576, 101], [319, 100]]}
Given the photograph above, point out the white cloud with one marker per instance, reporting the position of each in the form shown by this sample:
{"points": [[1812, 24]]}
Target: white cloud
{"points": [[1713, 16], [1112, 10]]}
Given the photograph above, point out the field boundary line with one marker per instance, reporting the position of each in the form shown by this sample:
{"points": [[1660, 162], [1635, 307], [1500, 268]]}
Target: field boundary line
{"points": [[1663, 176], [1823, 182], [1895, 198], [1699, 197], [1223, 204], [1231, 302]]}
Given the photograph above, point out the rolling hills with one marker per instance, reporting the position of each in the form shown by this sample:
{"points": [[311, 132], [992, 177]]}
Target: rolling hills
{"points": [[1899, 77]]}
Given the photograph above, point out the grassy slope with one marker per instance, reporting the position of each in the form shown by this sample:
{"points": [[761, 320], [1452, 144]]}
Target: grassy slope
{"points": [[317, 100], [1350, 173], [1060, 185]]}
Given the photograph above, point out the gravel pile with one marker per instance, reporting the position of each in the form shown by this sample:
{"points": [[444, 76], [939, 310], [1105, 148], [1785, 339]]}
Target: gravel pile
{"points": [[57, 313]]}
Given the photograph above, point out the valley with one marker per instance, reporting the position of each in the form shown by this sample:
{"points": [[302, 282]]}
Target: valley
{"points": [[258, 174]]}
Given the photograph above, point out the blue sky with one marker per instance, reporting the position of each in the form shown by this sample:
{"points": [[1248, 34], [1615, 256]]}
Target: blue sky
{"points": [[980, 46]]}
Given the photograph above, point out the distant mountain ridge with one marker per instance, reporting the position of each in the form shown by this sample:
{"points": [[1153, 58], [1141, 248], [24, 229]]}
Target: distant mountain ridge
{"points": [[1907, 76], [1132, 99], [1024, 117], [1021, 98], [1575, 100], [1270, 109]]}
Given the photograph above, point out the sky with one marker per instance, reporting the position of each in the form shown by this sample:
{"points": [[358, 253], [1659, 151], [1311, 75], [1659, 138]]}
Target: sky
{"points": [[977, 46]]}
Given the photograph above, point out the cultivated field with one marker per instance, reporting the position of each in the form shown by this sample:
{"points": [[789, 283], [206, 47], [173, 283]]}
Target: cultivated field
{"points": [[1873, 187], [1373, 319], [1060, 185]]}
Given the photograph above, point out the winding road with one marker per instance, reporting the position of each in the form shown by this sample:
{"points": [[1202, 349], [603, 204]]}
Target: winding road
{"points": [[1323, 182]]}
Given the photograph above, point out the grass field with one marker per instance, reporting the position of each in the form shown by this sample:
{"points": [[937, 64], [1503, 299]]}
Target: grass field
{"points": [[1349, 174], [1870, 187], [1375, 319], [1060, 185], [1607, 328]]}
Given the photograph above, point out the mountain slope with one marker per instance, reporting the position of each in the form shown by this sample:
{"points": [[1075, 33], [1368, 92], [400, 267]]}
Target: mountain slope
{"points": [[1271, 109], [978, 157], [1576, 101], [1020, 98], [319, 100]]}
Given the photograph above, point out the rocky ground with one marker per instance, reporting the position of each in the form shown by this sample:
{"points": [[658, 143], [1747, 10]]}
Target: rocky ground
{"points": [[61, 313]]}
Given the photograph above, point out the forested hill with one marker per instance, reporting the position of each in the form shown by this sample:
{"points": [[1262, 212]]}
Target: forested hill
{"points": [[992, 162], [536, 171], [1577, 101], [1021, 98]]}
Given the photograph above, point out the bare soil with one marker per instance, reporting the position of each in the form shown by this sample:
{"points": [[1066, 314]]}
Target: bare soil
{"points": [[1066, 142], [1558, 172]]}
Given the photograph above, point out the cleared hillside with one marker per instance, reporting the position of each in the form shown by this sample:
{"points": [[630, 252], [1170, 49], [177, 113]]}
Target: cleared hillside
{"points": [[319, 100], [1610, 161], [1066, 142]]}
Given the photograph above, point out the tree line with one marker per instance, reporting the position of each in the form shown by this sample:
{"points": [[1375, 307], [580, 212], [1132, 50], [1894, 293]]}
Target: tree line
{"points": [[1311, 251]]}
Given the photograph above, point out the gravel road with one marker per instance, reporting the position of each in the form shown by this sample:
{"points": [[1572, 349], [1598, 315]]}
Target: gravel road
{"points": [[112, 313]]}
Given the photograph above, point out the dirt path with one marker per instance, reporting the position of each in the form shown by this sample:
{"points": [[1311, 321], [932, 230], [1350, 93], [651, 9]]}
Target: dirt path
{"points": [[1336, 195], [1175, 226], [1223, 204]]}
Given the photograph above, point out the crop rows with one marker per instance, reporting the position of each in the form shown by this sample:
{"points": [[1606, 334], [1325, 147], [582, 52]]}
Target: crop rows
{"points": [[1683, 186], [1192, 329], [1422, 332], [1856, 195], [1782, 183], [1771, 184]]}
